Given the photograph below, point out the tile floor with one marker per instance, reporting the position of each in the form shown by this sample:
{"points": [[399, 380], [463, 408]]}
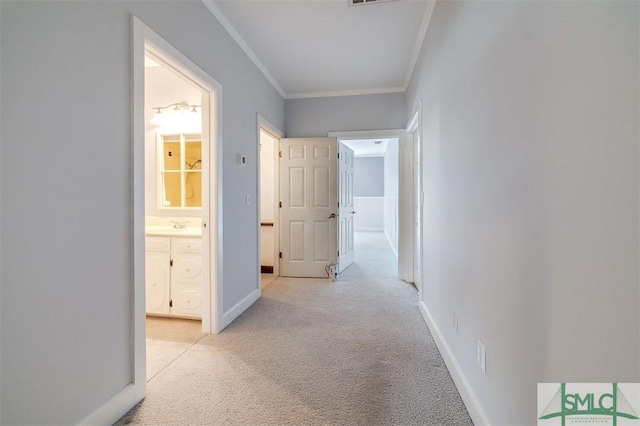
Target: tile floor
{"points": [[167, 339]]}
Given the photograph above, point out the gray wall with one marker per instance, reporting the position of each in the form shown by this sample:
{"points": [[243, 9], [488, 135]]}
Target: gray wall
{"points": [[65, 192], [530, 130], [368, 177], [316, 117]]}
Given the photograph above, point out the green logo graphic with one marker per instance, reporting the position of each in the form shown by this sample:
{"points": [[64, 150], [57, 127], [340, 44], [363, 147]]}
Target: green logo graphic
{"points": [[612, 404]]}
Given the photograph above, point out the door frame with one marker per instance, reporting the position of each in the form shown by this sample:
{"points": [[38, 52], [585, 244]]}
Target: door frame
{"points": [[262, 124], [405, 201], [144, 38], [414, 127]]}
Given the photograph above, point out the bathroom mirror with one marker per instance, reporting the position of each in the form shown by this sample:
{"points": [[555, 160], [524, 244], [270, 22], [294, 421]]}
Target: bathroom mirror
{"points": [[180, 171]]}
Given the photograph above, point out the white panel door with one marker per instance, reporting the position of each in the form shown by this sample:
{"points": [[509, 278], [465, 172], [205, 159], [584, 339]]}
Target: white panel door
{"points": [[346, 209], [308, 193]]}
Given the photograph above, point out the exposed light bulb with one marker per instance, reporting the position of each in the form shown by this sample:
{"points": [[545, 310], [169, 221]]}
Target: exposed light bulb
{"points": [[158, 118]]}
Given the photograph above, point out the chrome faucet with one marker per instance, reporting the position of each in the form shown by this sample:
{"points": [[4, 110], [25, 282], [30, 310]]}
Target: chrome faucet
{"points": [[179, 224]]}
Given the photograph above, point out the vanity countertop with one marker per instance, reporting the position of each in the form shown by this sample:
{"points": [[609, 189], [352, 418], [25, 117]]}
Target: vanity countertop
{"points": [[169, 231]]}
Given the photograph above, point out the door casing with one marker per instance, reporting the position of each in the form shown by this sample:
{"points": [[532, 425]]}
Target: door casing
{"points": [[414, 139]]}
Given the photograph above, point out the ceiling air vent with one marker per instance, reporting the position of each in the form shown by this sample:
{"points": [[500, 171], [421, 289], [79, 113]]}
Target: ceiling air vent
{"points": [[360, 2]]}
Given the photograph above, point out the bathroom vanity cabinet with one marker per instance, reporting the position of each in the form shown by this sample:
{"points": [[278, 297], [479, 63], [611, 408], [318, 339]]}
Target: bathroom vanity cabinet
{"points": [[173, 281]]}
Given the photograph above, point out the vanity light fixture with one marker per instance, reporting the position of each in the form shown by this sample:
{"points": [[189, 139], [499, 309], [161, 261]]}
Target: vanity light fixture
{"points": [[182, 108]]}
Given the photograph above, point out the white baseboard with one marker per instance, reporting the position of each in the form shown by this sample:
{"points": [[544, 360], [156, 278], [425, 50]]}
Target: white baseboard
{"points": [[112, 410], [469, 397], [367, 229], [239, 308]]}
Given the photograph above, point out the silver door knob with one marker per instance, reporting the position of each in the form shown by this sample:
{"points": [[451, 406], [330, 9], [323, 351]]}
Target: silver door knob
{"points": [[333, 215]]}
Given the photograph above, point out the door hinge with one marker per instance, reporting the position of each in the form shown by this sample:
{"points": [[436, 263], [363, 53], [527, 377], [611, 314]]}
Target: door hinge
{"points": [[280, 154], [171, 303], [171, 262], [280, 204], [338, 155], [280, 255], [338, 253]]}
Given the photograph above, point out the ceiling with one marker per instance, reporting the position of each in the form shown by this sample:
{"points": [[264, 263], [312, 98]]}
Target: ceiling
{"points": [[315, 48], [367, 147]]}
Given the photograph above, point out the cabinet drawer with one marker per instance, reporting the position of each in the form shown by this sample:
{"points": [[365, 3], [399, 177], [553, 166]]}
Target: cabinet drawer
{"points": [[192, 245], [158, 243]]}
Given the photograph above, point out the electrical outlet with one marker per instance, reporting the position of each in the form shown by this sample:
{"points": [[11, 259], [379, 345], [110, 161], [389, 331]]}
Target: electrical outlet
{"points": [[481, 356], [248, 199], [454, 322]]}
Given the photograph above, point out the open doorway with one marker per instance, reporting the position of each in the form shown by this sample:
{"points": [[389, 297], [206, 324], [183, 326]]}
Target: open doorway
{"points": [[375, 208], [176, 204], [268, 195], [401, 200], [176, 166]]}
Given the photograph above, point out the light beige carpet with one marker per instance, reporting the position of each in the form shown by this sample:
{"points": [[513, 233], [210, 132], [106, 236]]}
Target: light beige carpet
{"points": [[312, 352]]}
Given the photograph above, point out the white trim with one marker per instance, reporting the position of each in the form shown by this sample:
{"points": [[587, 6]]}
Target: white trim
{"points": [[269, 126], [224, 21], [412, 127], [415, 128], [426, 20], [112, 410], [469, 397], [353, 92], [127, 399], [0, 199], [239, 308]]}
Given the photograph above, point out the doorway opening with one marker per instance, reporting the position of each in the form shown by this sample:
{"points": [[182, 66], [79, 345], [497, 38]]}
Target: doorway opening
{"points": [[176, 198], [268, 201], [176, 167], [390, 211], [371, 248]]}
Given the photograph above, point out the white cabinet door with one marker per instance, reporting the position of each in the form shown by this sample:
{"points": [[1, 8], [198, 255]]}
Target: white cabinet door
{"points": [[157, 282], [308, 192], [346, 210], [186, 277]]}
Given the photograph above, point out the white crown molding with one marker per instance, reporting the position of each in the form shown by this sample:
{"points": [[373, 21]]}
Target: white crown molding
{"points": [[419, 41], [354, 92], [224, 21], [221, 17]]}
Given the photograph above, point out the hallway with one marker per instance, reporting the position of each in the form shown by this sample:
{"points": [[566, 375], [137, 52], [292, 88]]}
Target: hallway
{"points": [[373, 258], [311, 351]]}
